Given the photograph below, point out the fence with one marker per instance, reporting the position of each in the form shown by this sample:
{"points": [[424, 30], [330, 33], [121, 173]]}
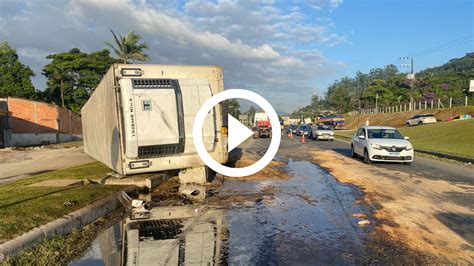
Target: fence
{"points": [[417, 105]]}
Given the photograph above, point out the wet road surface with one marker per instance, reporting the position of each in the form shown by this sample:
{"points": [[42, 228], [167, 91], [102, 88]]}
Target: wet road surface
{"points": [[308, 220]]}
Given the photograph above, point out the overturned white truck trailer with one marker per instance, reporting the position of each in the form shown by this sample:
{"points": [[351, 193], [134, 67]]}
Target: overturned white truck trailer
{"points": [[140, 118]]}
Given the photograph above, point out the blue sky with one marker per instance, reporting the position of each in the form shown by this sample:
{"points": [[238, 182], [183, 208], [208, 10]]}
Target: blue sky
{"points": [[382, 31], [283, 50]]}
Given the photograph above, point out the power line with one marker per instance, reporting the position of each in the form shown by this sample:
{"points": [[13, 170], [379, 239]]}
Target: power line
{"points": [[453, 43], [448, 43]]}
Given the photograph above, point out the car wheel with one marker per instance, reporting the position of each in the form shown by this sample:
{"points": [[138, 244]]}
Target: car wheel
{"points": [[420, 123], [366, 157], [408, 124], [353, 154]]}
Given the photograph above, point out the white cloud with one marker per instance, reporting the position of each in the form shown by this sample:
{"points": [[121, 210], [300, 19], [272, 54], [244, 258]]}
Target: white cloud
{"points": [[258, 43]]}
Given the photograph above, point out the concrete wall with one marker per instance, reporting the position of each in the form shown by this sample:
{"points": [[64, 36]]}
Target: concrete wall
{"points": [[35, 123]]}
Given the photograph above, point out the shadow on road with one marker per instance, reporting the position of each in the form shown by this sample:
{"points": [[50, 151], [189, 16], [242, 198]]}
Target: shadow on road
{"points": [[460, 223]]}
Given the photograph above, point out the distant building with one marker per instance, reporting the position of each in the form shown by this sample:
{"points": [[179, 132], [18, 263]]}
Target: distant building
{"points": [[29, 123], [286, 120], [295, 121]]}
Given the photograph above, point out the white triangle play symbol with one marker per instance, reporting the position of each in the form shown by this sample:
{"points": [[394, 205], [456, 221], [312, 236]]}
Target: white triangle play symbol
{"points": [[237, 133]]}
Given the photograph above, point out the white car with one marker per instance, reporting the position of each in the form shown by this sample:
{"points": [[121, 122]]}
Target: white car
{"points": [[420, 120], [320, 132], [379, 143]]}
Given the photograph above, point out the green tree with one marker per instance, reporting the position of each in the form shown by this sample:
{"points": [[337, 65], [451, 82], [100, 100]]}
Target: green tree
{"points": [[378, 88], [251, 113], [73, 76], [128, 47], [15, 77], [233, 106]]}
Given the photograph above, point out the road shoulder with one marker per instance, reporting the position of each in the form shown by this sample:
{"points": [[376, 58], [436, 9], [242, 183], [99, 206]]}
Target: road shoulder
{"points": [[424, 211]]}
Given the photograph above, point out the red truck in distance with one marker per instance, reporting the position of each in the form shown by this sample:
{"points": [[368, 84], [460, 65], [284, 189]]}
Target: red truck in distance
{"points": [[261, 125]]}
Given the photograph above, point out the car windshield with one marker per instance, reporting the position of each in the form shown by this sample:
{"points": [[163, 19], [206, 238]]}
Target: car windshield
{"points": [[324, 127], [384, 134], [293, 126], [305, 127]]}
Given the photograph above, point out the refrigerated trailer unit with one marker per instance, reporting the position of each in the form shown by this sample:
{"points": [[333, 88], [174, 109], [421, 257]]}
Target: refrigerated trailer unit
{"points": [[140, 118]]}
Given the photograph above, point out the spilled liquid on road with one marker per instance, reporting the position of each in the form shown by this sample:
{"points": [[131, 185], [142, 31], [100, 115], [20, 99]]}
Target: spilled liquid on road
{"points": [[307, 219]]}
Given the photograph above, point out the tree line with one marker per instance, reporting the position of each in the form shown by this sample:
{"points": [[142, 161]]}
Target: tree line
{"points": [[71, 76], [389, 86]]}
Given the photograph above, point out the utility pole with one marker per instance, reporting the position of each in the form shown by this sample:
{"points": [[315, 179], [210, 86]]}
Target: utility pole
{"points": [[376, 101], [411, 77]]}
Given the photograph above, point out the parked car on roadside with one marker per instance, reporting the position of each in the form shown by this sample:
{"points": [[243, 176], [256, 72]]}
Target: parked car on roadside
{"points": [[379, 143], [320, 132], [459, 118], [303, 130], [420, 120]]}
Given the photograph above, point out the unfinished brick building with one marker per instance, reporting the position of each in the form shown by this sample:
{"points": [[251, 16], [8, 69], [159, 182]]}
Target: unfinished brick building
{"points": [[29, 123]]}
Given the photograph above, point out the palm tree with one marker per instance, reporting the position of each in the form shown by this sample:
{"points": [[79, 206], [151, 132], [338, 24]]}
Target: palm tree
{"points": [[127, 48]]}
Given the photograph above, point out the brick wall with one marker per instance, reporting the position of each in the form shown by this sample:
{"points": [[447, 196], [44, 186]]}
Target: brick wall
{"points": [[69, 122], [37, 118]]}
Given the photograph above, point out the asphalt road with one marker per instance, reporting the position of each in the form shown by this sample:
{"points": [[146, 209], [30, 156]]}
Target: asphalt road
{"points": [[18, 164], [429, 168]]}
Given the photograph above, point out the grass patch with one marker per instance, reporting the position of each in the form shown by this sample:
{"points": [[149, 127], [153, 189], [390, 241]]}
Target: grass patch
{"points": [[62, 249], [24, 208], [455, 138], [346, 135]]}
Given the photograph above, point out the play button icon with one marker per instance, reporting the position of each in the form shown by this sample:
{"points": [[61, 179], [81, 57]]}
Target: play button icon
{"points": [[238, 133]]}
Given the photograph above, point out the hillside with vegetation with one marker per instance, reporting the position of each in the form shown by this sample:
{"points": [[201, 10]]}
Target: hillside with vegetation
{"points": [[391, 86]]}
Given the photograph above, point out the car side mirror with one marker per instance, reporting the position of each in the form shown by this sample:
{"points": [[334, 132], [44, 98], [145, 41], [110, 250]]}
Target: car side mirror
{"points": [[407, 138], [361, 137]]}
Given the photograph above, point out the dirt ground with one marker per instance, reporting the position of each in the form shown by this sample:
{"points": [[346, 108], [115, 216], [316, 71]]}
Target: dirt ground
{"points": [[20, 163], [423, 214]]}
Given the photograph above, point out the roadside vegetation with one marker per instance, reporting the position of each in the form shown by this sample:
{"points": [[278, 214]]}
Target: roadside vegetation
{"points": [[62, 249], [454, 138], [390, 86], [72, 75], [24, 207]]}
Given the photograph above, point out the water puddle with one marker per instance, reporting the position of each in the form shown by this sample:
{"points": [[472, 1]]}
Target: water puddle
{"points": [[308, 219], [105, 249]]}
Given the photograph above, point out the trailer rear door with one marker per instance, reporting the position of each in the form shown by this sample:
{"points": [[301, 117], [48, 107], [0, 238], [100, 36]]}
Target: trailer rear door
{"points": [[195, 93]]}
